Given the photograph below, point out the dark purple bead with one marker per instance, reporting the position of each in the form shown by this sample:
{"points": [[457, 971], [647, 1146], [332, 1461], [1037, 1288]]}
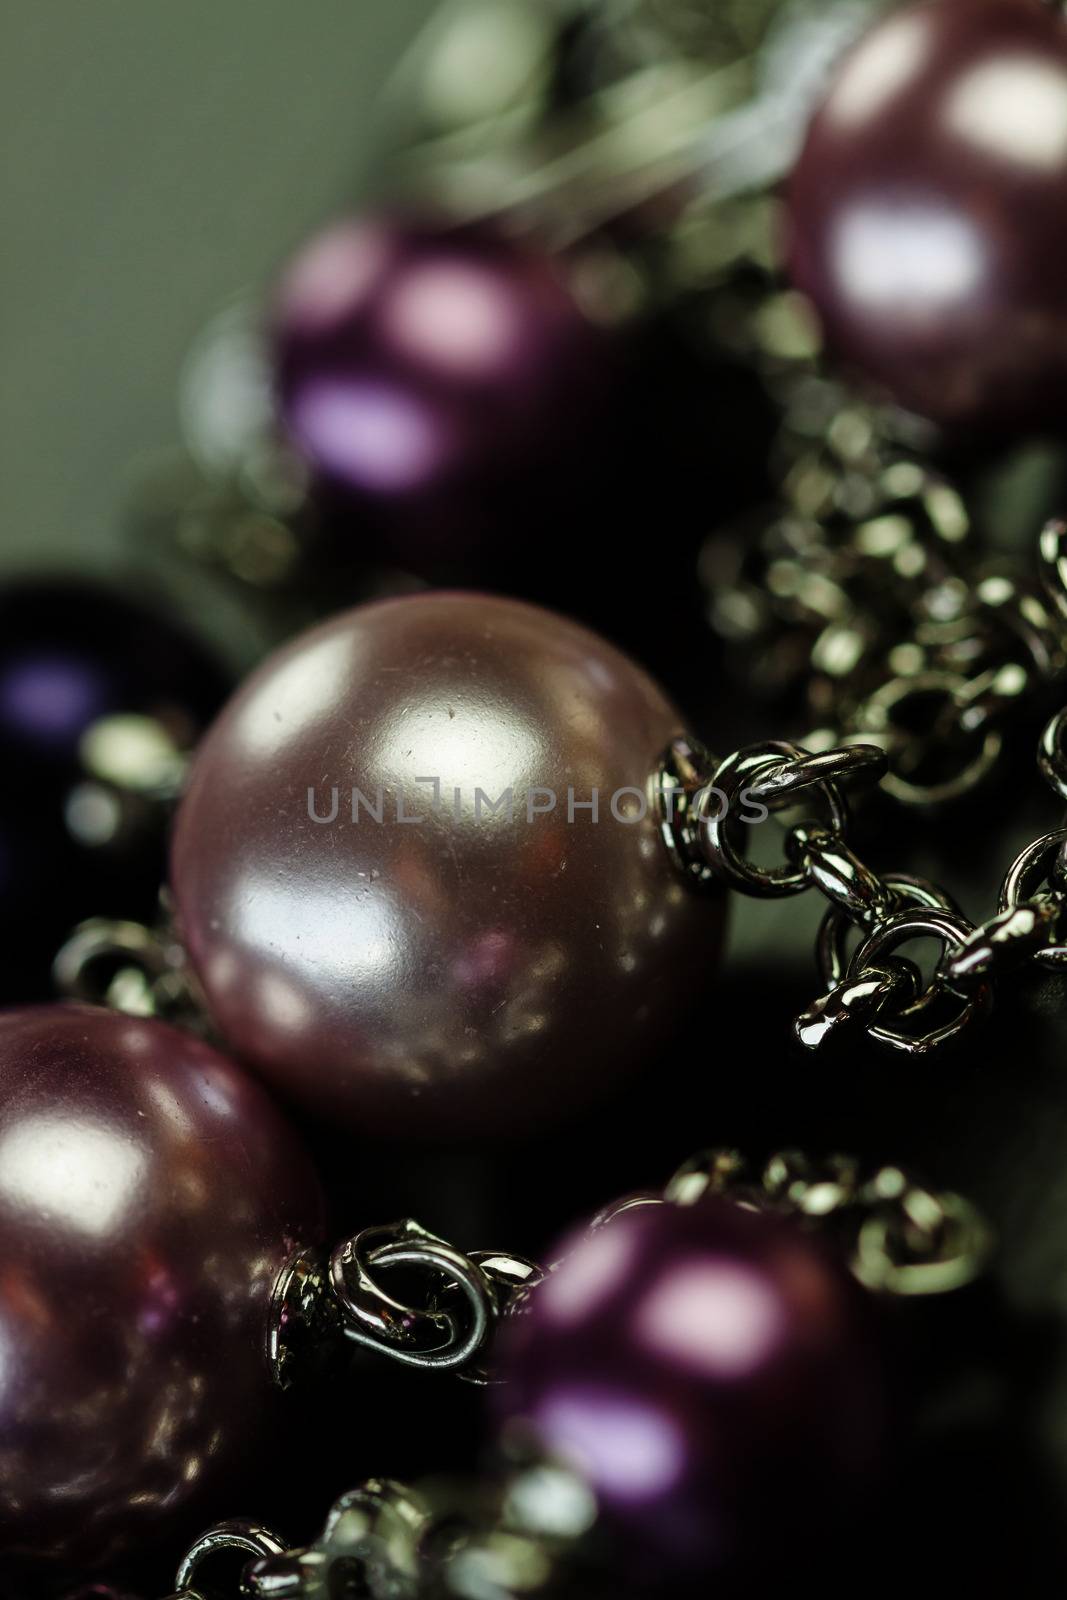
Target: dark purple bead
{"points": [[422, 367], [71, 652], [149, 1194], [926, 216], [709, 1372], [468, 967]]}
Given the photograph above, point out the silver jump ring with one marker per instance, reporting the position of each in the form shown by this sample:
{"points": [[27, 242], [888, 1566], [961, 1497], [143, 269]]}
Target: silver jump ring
{"points": [[252, 1538], [836, 926], [953, 931], [961, 1253], [418, 1336], [825, 767], [876, 716], [773, 773]]}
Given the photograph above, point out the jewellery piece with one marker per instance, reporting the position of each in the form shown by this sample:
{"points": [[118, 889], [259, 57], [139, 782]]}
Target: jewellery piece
{"points": [[923, 215], [419, 873], [150, 1194], [727, 1307], [445, 873]]}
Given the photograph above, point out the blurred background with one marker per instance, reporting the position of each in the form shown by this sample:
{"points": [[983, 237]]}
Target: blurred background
{"points": [[159, 160]]}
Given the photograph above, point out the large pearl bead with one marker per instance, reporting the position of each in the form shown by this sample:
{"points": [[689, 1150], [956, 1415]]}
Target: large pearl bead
{"points": [[426, 369], [926, 218], [448, 967], [708, 1372], [149, 1195]]}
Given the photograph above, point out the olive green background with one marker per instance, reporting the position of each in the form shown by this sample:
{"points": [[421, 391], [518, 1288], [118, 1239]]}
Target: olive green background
{"points": [[158, 155]]}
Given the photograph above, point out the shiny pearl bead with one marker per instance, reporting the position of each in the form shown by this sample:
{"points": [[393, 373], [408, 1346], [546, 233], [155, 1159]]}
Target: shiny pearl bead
{"points": [[926, 219], [707, 1371], [149, 1195], [427, 369], [451, 942]]}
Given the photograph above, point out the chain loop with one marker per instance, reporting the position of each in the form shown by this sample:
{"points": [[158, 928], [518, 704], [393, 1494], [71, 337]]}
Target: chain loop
{"points": [[681, 776], [952, 931], [903, 1239], [831, 944], [767, 777], [370, 1545], [874, 988], [894, 986], [1007, 940], [128, 966], [883, 711], [419, 1336], [1038, 877], [840, 876], [236, 1536]]}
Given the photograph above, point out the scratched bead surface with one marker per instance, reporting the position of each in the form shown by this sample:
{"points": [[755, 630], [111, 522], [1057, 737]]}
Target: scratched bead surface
{"points": [[149, 1194], [474, 967]]}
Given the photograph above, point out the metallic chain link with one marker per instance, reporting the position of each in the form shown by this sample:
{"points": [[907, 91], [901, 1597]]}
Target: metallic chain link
{"points": [[132, 967], [881, 621], [318, 1303], [451, 1330], [869, 984], [900, 1238], [515, 1536]]}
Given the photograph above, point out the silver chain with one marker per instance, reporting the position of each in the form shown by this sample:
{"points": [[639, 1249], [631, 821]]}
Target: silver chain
{"points": [[870, 918], [899, 1238], [454, 1540], [868, 984]]}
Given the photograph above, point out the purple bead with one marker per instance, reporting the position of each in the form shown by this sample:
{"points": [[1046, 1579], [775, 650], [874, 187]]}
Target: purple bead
{"points": [[926, 218], [382, 930], [149, 1194], [422, 367], [709, 1372]]}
